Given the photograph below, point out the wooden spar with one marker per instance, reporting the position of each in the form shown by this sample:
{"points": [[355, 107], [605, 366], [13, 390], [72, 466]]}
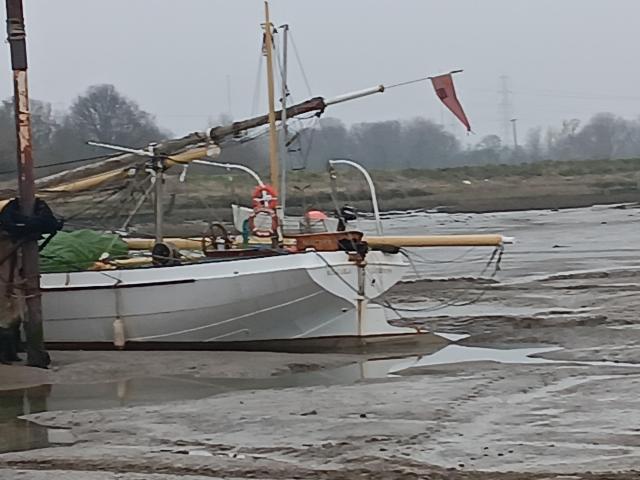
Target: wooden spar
{"points": [[96, 180], [180, 243], [191, 155], [480, 240], [193, 142], [437, 241], [87, 183], [273, 133]]}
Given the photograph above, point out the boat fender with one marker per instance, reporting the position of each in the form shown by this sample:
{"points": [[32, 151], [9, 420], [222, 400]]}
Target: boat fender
{"points": [[263, 223], [265, 196], [119, 338]]}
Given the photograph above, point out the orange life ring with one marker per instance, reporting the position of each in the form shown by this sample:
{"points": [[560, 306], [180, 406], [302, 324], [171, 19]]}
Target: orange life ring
{"points": [[262, 227], [265, 196]]}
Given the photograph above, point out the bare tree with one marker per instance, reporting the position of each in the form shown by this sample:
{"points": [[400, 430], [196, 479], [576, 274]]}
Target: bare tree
{"points": [[534, 149], [43, 124], [105, 115]]}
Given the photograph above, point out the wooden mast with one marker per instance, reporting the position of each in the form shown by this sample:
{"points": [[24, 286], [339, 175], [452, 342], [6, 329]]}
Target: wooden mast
{"points": [[273, 133]]}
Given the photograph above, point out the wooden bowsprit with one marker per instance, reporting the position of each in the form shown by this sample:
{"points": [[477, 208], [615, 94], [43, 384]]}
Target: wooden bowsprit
{"points": [[480, 240]]}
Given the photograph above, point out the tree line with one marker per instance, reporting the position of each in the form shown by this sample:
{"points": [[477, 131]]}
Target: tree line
{"points": [[101, 113], [104, 114], [422, 143]]}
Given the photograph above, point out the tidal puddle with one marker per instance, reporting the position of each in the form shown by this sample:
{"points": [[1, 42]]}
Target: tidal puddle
{"points": [[459, 354], [20, 434]]}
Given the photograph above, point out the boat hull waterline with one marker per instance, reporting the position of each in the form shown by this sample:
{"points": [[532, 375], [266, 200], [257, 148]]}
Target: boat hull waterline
{"points": [[290, 297]]}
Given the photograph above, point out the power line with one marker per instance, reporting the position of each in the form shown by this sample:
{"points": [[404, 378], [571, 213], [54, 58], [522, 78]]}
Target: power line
{"points": [[58, 164]]}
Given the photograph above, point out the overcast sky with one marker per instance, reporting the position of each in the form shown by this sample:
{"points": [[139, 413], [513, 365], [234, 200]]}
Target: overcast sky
{"points": [[564, 59]]}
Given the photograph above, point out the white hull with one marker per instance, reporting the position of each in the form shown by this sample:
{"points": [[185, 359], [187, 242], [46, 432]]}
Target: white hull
{"points": [[285, 297]]}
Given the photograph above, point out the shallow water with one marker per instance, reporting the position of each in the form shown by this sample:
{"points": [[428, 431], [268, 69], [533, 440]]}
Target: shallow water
{"points": [[18, 434], [599, 238], [574, 246]]}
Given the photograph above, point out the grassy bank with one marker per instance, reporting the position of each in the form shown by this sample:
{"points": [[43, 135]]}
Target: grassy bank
{"points": [[480, 188], [207, 194]]}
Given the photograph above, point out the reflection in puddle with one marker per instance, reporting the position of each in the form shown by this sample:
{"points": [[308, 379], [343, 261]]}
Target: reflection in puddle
{"points": [[23, 435], [19, 434], [459, 354]]}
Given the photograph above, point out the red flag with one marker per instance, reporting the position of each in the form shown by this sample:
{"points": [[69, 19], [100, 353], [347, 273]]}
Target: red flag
{"points": [[443, 85]]}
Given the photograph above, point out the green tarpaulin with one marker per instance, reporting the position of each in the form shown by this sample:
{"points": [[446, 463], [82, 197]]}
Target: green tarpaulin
{"points": [[79, 250]]}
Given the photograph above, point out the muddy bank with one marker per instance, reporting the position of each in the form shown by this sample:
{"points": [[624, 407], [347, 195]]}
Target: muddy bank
{"points": [[593, 316], [480, 417], [570, 419]]}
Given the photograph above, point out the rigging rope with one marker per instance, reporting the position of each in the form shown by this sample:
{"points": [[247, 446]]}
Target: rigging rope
{"points": [[256, 90], [452, 302], [304, 75], [59, 164], [409, 82], [424, 260]]}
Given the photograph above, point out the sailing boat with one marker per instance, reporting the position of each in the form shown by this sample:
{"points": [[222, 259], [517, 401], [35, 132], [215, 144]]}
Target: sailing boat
{"points": [[313, 294], [309, 294]]}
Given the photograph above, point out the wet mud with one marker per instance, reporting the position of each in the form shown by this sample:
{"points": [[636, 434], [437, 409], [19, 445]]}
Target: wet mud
{"points": [[540, 382]]}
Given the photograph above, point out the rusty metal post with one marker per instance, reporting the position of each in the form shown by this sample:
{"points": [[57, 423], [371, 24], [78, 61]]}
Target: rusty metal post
{"points": [[16, 36]]}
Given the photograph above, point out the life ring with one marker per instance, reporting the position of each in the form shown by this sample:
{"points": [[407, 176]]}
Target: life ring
{"points": [[263, 222], [265, 196]]}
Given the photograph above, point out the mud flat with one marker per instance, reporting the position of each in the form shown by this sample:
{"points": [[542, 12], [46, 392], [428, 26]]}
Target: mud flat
{"points": [[477, 420], [544, 385], [572, 416]]}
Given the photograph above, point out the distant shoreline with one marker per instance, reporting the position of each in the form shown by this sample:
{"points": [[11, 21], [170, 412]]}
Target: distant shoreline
{"points": [[546, 202], [481, 189]]}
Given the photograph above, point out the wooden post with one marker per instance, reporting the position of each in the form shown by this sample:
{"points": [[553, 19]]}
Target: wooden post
{"points": [[16, 36]]}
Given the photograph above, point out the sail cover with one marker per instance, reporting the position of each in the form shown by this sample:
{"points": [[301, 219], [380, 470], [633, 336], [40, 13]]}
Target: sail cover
{"points": [[79, 250]]}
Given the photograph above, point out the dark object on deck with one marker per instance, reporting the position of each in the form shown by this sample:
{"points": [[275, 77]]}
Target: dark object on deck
{"points": [[22, 227], [9, 345], [165, 254], [346, 214]]}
